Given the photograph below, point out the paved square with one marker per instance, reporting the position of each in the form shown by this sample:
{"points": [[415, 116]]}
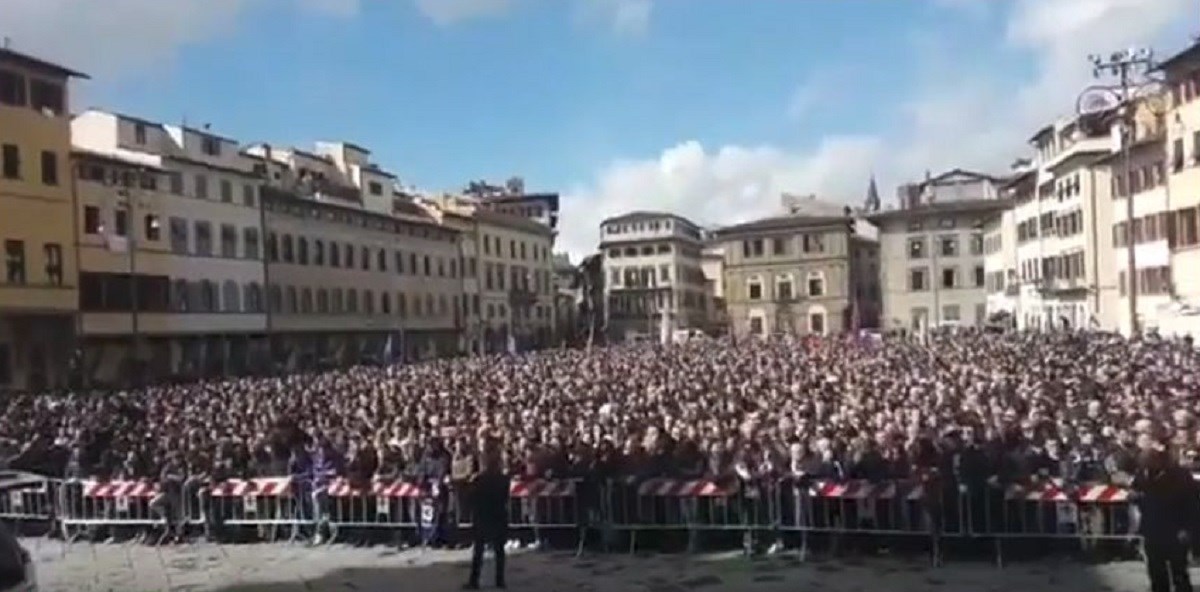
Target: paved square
{"points": [[294, 568]]}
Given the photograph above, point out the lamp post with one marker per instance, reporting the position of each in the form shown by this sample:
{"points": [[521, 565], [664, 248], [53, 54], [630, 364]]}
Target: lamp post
{"points": [[1134, 86]]}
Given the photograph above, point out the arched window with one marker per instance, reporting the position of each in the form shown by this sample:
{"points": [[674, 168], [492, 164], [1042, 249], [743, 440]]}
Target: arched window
{"points": [[335, 256], [252, 297], [292, 304], [288, 255], [785, 291], [318, 252], [180, 296], [368, 302], [322, 301], [302, 248]]}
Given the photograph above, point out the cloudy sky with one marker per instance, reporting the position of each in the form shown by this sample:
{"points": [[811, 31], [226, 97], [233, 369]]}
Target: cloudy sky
{"points": [[707, 108]]}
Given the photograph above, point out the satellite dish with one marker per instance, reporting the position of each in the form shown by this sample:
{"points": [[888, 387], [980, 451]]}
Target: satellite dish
{"points": [[1097, 100]]}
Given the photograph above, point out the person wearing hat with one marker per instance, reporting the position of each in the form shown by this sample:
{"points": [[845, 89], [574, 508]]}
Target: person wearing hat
{"points": [[1169, 502]]}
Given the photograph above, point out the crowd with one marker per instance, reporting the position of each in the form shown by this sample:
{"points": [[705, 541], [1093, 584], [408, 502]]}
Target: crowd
{"points": [[980, 406]]}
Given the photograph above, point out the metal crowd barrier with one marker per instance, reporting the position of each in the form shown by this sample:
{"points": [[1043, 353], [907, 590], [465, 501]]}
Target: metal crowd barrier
{"points": [[796, 513], [27, 500]]}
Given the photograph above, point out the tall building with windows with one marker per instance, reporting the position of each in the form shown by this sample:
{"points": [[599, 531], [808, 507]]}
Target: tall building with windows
{"points": [[1063, 228], [515, 274], [1000, 248], [1180, 221], [357, 269], [654, 280], [39, 284], [932, 270], [796, 274], [170, 250]]}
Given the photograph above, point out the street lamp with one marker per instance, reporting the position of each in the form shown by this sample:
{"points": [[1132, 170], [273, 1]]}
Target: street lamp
{"points": [[1134, 86]]}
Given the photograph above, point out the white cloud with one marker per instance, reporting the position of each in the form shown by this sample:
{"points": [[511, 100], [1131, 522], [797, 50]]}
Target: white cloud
{"points": [[113, 36], [630, 18], [448, 12], [958, 115]]}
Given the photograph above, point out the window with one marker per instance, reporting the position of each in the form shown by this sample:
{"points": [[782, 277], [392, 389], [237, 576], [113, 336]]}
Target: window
{"points": [[211, 146], [14, 259], [951, 313], [201, 187], [816, 284], [948, 246], [226, 191], [664, 273], [783, 289], [916, 248], [250, 241], [228, 241], [175, 181], [349, 258], [152, 228], [946, 223], [980, 276], [976, 244], [248, 198], [49, 168], [54, 263], [813, 243], [1177, 155], [204, 239], [816, 323], [365, 259], [917, 281], [12, 93], [46, 96], [919, 317], [335, 256], [779, 246], [179, 236], [287, 249], [949, 277], [139, 133], [121, 222], [1196, 147], [91, 220], [11, 155], [381, 260], [754, 289], [756, 326], [375, 188]]}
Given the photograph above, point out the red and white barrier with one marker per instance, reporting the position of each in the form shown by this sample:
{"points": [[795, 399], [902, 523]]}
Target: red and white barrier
{"points": [[377, 487], [542, 488], [120, 489], [268, 487]]}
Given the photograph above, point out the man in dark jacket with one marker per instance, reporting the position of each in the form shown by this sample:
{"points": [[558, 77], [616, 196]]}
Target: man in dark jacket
{"points": [[489, 505], [1170, 509]]}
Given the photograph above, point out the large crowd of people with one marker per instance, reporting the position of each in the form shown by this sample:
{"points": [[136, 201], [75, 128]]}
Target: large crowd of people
{"points": [[983, 406]]}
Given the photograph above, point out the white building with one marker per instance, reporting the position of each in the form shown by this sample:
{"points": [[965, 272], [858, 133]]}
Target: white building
{"points": [[1000, 249], [652, 269], [1181, 314], [177, 208], [1063, 237]]}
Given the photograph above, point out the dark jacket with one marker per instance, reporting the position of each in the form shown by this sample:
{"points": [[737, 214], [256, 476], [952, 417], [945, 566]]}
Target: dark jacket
{"points": [[489, 503], [1169, 503]]}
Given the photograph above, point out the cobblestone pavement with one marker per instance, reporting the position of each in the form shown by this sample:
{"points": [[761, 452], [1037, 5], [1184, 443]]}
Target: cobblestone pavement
{"points": [[286, 568]]}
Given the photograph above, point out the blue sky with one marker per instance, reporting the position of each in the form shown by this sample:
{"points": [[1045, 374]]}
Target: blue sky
{"points": [[709, 108]]}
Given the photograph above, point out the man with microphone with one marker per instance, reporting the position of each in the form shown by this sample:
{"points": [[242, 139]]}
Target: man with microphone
{"points": [[488, 500]]}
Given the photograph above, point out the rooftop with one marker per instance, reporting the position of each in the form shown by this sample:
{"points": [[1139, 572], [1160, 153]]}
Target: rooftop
{"points": [[941, 208], [781, 223], [646, 215], [1188, 55], [28, 61]]}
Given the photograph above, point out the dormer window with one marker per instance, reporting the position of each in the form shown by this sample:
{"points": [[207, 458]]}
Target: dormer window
{"points": [[211, 146]]}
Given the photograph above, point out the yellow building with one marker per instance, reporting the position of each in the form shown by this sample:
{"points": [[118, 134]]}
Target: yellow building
{"points": [[38, 289]]}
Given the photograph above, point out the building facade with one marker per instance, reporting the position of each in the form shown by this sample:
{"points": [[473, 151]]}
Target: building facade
{"points": [[794, 275], [654, 281], [1181, 314], [357, 270], [171, 271], [1000, 249], [932, 266], [515, 275], [39, 287]]}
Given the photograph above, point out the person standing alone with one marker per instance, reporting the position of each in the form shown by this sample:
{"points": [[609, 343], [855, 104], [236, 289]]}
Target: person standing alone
{"points": [[489, 509], [1170, 510]]}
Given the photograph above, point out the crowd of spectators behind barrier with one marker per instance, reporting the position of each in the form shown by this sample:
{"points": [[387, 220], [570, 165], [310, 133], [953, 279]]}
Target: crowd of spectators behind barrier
{"points": [[981, 407]]}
